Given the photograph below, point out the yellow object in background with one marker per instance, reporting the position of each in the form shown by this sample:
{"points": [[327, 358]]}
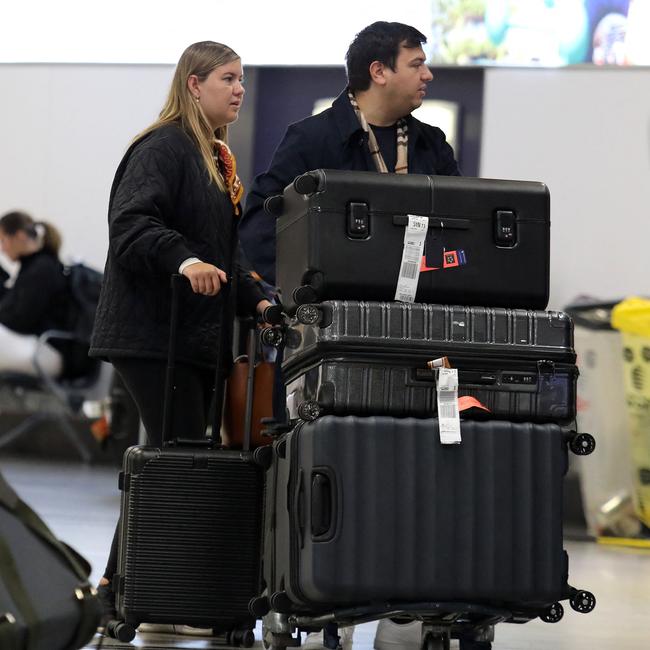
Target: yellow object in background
{"points": [[632, 318]]}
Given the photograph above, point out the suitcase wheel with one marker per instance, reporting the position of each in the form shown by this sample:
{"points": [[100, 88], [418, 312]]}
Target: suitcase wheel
{"points": [[583, 444], [309, 314], [583, 601], [435, 642], [304, 295], [272, 336], [240, 637], [305, 183], [280, 602], [309, 411], [553, 614], [121, 631], [263, 456]]}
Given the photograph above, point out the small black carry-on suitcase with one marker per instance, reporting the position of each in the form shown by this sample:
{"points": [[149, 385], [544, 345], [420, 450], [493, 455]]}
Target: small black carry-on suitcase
{"points": [[190, 531], [341, 235], [370, 358], [377, 510]]}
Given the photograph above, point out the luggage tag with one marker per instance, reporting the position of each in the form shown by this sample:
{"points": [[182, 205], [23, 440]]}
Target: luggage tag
{"points": [[447, 394], [409, 273]]}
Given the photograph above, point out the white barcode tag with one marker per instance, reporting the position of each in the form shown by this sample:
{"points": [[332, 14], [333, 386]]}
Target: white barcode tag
{"points": [[409, 270], [448, 416]]}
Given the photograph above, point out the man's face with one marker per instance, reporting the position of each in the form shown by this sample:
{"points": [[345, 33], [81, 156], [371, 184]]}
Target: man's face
{"points": [[406, 86]]}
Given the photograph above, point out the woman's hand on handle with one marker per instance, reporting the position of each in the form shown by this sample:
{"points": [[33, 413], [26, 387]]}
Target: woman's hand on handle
{"points": [[206, 279]]}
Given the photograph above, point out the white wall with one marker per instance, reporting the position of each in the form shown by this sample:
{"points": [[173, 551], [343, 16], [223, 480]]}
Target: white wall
{"points": [[586, 134], [63, 131]]}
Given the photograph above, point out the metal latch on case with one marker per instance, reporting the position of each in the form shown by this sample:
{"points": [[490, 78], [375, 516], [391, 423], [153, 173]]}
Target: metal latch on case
{"points": [[505, 228], [358, 221]]}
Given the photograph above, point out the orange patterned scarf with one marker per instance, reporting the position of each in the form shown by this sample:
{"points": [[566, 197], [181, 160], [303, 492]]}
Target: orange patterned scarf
{"points": [[228, 168]]}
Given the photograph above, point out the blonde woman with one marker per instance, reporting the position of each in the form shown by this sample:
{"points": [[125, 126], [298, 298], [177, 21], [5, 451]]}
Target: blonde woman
{"points": [[173, 208]]}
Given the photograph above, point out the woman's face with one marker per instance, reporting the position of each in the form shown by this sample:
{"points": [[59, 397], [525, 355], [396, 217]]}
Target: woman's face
{"points": [[220, 95], [13, 246]]}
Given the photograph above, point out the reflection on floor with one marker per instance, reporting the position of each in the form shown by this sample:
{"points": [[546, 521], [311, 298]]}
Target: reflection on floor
{"points": [[81, 505]]}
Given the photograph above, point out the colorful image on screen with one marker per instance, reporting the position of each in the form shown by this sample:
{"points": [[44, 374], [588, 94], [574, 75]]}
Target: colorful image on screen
{"points": [[541, 32]]}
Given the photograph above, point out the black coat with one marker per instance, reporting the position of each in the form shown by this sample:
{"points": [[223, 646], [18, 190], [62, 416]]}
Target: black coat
{"points": [[332, 139], [38, 300], [163, 210]]}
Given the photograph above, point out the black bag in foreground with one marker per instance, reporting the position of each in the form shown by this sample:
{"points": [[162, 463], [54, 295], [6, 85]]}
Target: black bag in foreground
{"points": [[340, 234], [46, 601], [190, 531]]}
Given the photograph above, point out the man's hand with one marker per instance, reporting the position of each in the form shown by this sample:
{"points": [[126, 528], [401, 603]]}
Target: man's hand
{"points": [[206, 279]]}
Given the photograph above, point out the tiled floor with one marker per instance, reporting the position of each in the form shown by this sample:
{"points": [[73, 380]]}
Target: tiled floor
{"points": [[81, 505]]}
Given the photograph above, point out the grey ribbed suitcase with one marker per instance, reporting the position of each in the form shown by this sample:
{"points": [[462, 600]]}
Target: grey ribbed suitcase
{"points": [[370, 358], [376, 510], [191, 529]]}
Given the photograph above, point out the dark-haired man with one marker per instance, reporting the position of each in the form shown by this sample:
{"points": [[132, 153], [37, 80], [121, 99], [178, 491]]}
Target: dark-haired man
{"points": [[368, 128]]}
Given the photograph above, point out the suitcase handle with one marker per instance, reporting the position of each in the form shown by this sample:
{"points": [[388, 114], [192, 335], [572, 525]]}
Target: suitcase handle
{"points": [[322, 505], [299, 508]]}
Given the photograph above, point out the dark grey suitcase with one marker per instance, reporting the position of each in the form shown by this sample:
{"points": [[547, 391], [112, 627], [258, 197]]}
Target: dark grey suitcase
{"points": [[370, 358], [190, 531], [376, 510], [340, 235]]}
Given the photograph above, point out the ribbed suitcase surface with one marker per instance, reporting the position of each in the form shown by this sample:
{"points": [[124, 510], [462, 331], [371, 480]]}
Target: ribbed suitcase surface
{"points": [[191, 537], [376, 509], [369, 358]]}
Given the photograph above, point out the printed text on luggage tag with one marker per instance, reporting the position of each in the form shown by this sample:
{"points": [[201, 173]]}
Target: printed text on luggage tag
{"points": [[409, 272], [448, 416]]}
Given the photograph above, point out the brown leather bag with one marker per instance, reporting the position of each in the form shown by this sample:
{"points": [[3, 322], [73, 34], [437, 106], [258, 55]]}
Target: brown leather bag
{"points": [[232, 430]]}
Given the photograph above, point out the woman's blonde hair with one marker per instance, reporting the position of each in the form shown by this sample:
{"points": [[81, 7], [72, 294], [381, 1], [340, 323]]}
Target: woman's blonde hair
{"points": [[198, 59]]}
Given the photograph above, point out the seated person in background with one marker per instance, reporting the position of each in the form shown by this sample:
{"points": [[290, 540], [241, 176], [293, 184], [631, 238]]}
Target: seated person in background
{"points": [[38, 298]]}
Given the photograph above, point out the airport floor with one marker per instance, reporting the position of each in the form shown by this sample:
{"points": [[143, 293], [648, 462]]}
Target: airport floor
{"points": [[80, 503]]}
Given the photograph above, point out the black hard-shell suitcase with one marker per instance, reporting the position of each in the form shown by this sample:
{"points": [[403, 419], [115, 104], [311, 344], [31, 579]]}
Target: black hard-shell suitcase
{"points": [[46, 601], [340, 235], [191, 530], [377, 510], [370, 358]]}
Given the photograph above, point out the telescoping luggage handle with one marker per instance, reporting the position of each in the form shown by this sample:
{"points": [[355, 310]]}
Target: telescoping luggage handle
{"points": [[217, 407]]}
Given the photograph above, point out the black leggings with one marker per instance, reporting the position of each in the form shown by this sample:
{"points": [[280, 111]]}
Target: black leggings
{"points": [[145, 381]]}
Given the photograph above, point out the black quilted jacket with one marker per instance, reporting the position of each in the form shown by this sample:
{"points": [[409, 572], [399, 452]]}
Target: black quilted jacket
{"points": [[164, 209]]}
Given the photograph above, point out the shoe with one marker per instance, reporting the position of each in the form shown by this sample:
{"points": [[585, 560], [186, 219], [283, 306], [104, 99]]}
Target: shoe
{"points": [[391, 635], [314, 640], [106, 597], [170, 628]]}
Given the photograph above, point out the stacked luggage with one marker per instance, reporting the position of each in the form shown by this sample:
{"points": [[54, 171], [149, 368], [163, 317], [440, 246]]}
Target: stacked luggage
{"points": [[383, 499]]}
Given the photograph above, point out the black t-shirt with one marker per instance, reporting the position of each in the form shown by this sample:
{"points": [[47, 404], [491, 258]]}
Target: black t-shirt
{"points": [[387, 141]]}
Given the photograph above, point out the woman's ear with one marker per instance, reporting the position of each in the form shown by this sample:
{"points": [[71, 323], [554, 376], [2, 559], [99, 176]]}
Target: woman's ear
{"points": [[193, 85]]}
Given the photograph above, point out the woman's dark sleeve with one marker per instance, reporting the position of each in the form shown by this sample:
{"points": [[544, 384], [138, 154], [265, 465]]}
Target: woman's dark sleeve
{"points": [[140, 233]]}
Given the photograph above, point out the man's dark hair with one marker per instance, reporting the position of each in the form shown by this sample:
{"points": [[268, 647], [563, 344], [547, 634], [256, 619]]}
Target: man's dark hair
{"points": [[381, 42]]}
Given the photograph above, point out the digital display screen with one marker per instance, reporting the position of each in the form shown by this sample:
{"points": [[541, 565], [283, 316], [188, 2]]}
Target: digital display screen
{"points": [[541, 32], [294, 33]]}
